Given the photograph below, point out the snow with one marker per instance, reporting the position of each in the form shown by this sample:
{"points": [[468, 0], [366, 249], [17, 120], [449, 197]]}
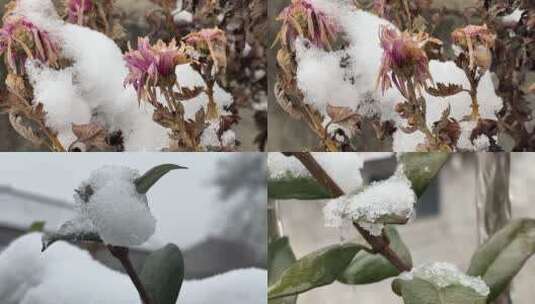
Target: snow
{"points": [[228, 138], [61, 98], [331, 85], [444, 274], [65, 274], [343, 168], [187, 77], [62, 274], [388, 201], [348, 77], [514, 17], [182, 17], [120, 214]]}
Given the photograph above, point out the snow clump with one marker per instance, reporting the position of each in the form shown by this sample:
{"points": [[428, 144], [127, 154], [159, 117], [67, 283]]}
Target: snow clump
{"points": [[444, 274], [389, 201], [110, 201]]}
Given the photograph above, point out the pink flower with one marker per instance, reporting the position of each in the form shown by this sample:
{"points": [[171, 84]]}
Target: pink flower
{"points": [[301, 18], [77, 9], [152, 65], [212, 42], [20, 39], [404, 61], [477, 40]]}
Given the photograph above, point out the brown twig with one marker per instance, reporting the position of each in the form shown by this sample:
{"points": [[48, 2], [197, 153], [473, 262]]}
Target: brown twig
{"points": [[121, 253], [379, 244]]}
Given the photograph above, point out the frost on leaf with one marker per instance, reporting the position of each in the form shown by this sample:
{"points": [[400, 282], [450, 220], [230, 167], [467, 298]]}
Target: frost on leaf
{"points": [[386, 202], [443, 275], [343, 168]]}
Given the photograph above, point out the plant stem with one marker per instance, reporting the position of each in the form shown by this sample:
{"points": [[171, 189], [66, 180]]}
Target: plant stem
{"points": [[121, 253], [379, 244]]}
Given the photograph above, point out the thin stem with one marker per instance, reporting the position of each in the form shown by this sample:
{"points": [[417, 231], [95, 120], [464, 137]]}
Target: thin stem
{"points": [[121, 253], [379, 244], [319, 130]]}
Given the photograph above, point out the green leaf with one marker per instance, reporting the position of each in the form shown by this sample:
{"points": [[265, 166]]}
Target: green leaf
{"points": [[280, 256], [366, 268], [503, 255], [37, 226], [420, 168], [145, 182], [70, 231], [419, 291], [302, 188], [163, 273], [316, 269]]}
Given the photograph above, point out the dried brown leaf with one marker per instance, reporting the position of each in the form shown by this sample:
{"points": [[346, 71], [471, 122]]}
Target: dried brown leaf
{"points": [[24, 128], [93, 135], [444, 90], [189, 93]]}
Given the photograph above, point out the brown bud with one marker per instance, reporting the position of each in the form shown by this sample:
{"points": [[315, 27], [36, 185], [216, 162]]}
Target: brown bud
{"points": [[483, 57]]}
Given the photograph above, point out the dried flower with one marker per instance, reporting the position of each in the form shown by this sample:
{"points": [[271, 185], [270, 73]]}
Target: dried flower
{"points": [[152, 65], [477, 40], [379, 7], [78, 9], [20, 39], [404, 61], [301, 18], [211, 42]]}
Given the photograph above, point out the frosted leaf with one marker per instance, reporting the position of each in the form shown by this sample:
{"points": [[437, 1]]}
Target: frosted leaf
{"points": [[343, 168], [281, 166], [119, 213], [444, 274], [385, 202]]}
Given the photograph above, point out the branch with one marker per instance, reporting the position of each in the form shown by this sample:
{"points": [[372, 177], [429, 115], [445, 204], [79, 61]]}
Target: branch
{"points": [[121, 253], [380, 244]]}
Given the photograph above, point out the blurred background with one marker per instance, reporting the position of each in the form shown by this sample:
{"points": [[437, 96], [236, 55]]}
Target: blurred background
{"points": [[215, 211], [445, 228]]}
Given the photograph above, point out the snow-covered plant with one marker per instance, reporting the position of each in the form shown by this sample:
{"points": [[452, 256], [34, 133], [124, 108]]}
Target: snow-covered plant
{"points": [[70, 86], [245, 26], [348, 73], [373, 211], [113, 210]]}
